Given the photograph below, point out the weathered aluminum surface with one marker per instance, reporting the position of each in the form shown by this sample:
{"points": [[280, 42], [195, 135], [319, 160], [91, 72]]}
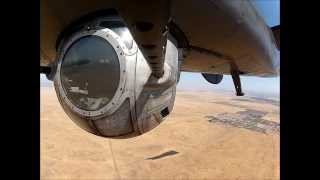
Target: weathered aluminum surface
{"points": [[232, 28], [140, 102]]}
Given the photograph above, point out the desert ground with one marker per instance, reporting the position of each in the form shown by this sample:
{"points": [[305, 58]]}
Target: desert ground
{"points": [[209, 135]]}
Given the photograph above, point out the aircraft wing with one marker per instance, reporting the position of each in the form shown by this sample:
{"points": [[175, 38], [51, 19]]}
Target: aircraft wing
{"points": [[116, 63], [215, 35]]}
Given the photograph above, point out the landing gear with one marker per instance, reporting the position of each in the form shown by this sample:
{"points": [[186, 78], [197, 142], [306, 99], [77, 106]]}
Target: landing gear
{"points": [[236, 81]]}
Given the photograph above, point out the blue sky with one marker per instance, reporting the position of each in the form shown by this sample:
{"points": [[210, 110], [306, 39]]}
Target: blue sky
{"points": [[269, 10], [254, 86]]}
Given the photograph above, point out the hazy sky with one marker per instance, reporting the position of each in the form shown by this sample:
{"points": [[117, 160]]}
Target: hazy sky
{"points": [[270, 11]]}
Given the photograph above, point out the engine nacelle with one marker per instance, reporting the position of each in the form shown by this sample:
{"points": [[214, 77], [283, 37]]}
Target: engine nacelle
{"points": [[213, 78], [104, 83]]}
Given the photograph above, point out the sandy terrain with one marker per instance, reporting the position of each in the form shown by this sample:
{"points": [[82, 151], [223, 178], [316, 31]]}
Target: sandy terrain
{"points": [[207, 136]]}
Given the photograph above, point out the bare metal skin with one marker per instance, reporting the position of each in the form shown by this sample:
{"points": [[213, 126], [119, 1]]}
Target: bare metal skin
{"points": [[231, 28], [132, 92]]}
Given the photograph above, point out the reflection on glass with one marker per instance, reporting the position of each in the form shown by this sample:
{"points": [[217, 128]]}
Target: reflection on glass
{"points": [[90, 73]]}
